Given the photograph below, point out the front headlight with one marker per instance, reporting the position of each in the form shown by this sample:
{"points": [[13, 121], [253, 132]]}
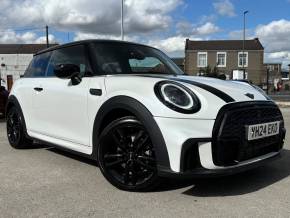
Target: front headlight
{"points": [[177, 97]]}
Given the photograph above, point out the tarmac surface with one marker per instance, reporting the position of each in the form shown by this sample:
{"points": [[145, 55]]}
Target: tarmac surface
{"points": [[46, 182]]}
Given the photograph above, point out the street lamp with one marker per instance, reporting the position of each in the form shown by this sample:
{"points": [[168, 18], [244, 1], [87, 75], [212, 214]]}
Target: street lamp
{"points": [[122, 20], [244, 38]]}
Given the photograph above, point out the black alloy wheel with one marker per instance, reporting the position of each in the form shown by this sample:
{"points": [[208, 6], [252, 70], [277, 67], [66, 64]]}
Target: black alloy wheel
{"points": [[126, 155], [15, 129]]}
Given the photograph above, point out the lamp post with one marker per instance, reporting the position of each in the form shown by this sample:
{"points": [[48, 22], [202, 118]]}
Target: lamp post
{"points": [[267, 82], [244, 38], [122, 20]]}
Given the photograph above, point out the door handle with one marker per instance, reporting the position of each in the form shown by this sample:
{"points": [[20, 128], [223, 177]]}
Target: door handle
{"points": [[38, 89], [97, 92]]}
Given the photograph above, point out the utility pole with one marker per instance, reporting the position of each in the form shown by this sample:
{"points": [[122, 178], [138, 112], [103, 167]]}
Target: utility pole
{"points": [[122, 20], [47, 42], [244, 38], [268, 71]]}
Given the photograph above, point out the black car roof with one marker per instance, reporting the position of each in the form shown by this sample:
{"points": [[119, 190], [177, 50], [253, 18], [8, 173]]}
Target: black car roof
{"points": [[86, 42]]}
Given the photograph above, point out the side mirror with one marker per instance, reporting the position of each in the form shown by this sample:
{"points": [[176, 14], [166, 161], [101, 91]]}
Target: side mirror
{"points": [[68, 71]]}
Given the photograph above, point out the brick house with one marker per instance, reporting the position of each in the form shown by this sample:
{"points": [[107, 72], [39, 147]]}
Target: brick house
{"points": [[179, 62], [228, 57]]}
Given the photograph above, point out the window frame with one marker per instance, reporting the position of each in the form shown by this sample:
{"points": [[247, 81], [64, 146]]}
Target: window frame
{"points": [[201, 53], [95, 61], [86, 55], [247, 58], [225, 62], [31, 62]]}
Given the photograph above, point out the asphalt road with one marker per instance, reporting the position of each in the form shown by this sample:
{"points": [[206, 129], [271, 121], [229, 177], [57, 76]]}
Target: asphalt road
{"points": [[45, 182]]}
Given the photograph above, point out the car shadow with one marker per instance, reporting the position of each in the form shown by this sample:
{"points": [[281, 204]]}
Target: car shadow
{"points": [[243, 183], [72, 156], [238, 184]]}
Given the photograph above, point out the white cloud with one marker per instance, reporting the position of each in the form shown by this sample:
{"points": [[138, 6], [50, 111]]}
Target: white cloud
{"points": [[42, 39], [185, 28], [238, 34], [12, 37], [275, 35], [206, 29], [83, 36], [173, 46], [91, 16], [279, 55], [225, 8]]}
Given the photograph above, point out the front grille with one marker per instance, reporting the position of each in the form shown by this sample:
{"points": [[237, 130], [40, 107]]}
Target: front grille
{"points": [[230, 145]]}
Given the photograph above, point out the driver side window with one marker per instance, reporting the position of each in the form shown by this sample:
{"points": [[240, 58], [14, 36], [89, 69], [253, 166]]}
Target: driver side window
{"points": [[70, 55]]}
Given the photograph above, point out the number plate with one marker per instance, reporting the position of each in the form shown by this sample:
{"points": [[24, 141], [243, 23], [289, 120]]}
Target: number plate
{"points": [[262, 130]]}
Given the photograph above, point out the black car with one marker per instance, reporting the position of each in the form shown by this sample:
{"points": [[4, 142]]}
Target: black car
{"points": [[3, 99]]}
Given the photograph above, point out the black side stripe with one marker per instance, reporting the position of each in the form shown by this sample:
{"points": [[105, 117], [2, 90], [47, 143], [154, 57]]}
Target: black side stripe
{"points": [[225, 97]]}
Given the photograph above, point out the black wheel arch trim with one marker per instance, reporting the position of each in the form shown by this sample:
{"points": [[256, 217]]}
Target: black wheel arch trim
{"points": [[142, 114], [14, 101]]}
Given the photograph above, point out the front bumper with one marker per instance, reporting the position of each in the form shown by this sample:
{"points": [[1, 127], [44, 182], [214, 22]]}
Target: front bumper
{"points": [[201, 172], [198, 148]]}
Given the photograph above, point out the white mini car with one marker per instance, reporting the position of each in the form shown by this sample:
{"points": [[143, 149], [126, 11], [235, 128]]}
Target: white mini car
{"points": [[129, 107]]}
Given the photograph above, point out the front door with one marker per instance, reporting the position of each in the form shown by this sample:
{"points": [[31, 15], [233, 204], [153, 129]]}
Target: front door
{"points": [[62, 108]]}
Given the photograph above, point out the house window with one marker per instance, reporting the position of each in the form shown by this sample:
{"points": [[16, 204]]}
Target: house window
{"points": [[243, 59], [201, 59], [221, 59]]}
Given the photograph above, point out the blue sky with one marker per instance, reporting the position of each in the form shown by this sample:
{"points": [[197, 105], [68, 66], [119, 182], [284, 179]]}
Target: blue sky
{"points": [[161, 23]]}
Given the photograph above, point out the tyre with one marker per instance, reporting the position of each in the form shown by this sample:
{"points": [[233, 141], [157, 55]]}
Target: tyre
{"points": [[126, 156], [16, 129]]}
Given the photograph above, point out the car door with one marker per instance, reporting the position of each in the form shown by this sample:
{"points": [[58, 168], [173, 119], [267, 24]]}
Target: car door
{"points": [[62, 108], [27, 88]]}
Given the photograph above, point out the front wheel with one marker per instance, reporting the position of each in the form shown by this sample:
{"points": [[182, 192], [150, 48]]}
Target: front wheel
{"points": [[126, 155], [15, 129]]}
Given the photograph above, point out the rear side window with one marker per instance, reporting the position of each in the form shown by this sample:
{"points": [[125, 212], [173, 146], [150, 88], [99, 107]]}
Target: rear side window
{"points": [[38, 65], [70, 55]]}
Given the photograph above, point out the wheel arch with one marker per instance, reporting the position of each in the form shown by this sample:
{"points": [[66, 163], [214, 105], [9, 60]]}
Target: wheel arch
{"points": [[129, 106], [13, 102]]}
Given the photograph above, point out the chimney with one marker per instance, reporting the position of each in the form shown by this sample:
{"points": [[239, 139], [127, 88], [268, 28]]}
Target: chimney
{"points": [[186, 43]]}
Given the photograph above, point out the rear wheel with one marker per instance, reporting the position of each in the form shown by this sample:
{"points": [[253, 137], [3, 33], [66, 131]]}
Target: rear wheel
{"points": [[15, 129], [126, 155]]}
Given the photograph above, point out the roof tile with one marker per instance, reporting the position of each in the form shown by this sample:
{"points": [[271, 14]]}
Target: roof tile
{"points": [[253, 44]]}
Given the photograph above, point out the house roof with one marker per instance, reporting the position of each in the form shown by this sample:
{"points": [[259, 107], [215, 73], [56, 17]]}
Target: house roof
{"points": [[253, 44], [21, 48]]}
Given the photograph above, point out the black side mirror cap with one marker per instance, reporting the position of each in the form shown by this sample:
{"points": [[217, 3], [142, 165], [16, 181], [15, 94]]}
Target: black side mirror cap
{"points": [[66, 71]]}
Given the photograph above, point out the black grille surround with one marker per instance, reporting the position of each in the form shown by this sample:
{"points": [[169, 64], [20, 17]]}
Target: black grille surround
{"points": [[229, 143]]}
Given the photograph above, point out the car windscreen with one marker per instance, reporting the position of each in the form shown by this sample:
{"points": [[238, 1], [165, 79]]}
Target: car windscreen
{"points": [[125, 58]]}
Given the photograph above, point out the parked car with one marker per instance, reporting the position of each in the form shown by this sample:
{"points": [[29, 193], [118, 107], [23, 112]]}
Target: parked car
{"points": [[3, 100], [129, 107]]}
